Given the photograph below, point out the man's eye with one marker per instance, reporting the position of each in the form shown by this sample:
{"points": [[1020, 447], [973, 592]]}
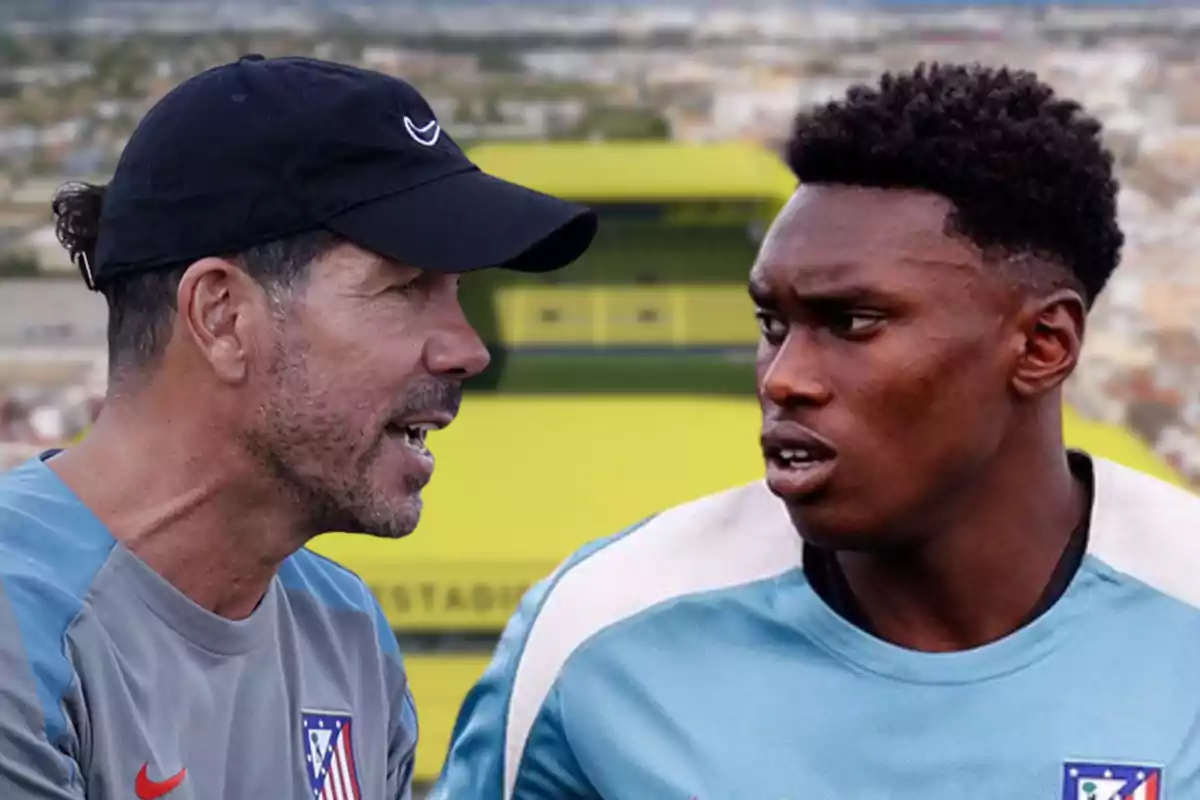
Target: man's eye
{"points": [[772, 328], [854, 323], [404, 288]]}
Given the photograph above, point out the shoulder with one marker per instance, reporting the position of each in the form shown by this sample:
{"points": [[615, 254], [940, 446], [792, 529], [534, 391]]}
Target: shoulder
{"points": [[336, 590], [46, 532], [51, 549], [1147, 529], [718, 542], [736, 537], [51, 545], [739, 536]]}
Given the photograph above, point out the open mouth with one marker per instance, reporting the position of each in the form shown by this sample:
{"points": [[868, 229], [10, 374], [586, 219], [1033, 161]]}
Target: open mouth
{"points": [[791, 447], [798, 462], [798, 457], [412, 434]]}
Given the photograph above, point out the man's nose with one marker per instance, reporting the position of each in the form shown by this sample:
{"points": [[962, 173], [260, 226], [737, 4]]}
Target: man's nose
{"points": [[795, 376], [456, 351]]}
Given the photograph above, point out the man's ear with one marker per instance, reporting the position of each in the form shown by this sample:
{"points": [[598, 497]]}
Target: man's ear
{"points": [[214, 299], [1052, 327]]}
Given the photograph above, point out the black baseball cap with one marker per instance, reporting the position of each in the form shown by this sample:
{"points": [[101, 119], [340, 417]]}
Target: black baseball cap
{"points": [[260, 149]]}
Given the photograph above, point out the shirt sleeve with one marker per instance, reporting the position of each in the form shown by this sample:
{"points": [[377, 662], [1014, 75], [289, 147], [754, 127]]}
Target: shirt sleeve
{"points": [[37, 743], [403, 731], [483, 763], [402, 749]]}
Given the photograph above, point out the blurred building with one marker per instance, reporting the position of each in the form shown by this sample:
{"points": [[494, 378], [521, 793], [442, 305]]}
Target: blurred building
{"points": [[688, 71]]}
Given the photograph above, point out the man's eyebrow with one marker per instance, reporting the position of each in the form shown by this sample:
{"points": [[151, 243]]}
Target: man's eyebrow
{"points": [[384, 270], [847, 293], [760, 295]]}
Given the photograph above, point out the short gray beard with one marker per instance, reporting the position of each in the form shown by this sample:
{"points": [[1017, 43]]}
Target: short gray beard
{"points": [[308, 450]]}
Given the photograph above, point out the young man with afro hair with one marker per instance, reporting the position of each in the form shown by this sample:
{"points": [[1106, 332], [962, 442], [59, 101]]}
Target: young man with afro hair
{"points": [[929, 597]]}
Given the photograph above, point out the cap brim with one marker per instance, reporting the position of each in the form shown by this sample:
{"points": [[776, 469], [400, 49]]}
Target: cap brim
{"points": [[470, 221]]}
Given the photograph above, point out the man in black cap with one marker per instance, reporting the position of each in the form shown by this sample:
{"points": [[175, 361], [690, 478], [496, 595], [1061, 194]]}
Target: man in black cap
{"points": [[280, 249]]}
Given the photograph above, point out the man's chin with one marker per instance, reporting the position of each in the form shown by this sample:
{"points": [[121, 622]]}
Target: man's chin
{"points": [[392, 534], [381, 531], [850, 530], [397, 523], [385, 521], [830, 527]]}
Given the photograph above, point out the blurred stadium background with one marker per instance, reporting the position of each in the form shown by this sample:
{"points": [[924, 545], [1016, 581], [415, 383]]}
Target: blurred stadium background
{"points": [[622, 386]]}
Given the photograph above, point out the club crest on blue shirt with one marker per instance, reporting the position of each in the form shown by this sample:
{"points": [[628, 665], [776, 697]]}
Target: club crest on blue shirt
{"points": [[1092, 781], [329, 755]]}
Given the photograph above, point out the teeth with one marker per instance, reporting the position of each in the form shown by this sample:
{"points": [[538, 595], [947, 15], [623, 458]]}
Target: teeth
{"points": [[793, 456], [414, 433]]}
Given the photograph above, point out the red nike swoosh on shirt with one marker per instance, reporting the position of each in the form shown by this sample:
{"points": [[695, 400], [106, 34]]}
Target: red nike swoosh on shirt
{"points": [[147, 789]]}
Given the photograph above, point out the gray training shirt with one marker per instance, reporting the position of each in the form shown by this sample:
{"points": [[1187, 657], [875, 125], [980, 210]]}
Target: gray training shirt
{"points": [[114, 686]]}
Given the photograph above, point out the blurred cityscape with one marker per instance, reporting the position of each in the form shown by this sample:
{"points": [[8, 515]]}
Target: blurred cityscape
{"points": [[75, 77]]}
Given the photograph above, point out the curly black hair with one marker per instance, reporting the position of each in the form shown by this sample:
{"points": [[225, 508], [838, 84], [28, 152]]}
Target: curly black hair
{"points": [[76, 208], [1026, 170], [141, 305]]}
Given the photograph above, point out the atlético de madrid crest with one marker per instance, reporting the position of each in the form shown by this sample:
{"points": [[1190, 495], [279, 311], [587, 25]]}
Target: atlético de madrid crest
{"points": [[329, 756], [1097, 781]]}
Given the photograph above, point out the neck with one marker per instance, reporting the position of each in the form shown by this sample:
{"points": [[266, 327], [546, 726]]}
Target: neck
{"points": [[176, 494], [978, 574]]}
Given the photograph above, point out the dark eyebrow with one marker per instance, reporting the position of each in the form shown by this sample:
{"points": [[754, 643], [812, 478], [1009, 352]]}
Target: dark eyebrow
{"points": [[841, 295], [760, 295], [832, 297]]}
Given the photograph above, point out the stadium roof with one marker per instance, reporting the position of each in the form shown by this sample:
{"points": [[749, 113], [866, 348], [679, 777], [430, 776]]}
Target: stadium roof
{"points": [[625, 171]]}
